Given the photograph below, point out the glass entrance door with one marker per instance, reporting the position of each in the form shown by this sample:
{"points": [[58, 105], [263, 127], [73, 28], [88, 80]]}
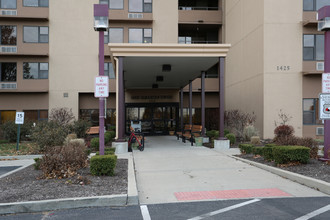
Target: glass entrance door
{"points": [[156, 118]]}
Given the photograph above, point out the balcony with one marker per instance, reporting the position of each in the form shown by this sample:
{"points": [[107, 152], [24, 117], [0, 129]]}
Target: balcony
{"points": [[194, 12], [24, 12], [199, 34]]}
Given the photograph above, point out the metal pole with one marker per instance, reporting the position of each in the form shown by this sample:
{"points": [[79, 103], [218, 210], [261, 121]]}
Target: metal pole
{"points": [[221, 98], [101, 101], [190, 102], [121, 102], [203, 102], [181, 109], [326, 70], [18, 136]]}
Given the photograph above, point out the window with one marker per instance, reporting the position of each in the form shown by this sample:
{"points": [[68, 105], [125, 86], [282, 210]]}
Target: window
{"points": [[92, 115], [108, 70], [184, 40], [140, 6], [115, 35], [8, 35], [35, 34], [315, 5], [7, 116], [36, 3], [113, 4], [8, 72], [140, 35], [35, 70], [311, 112], [313, 47], [8, 4], [36, 115]]}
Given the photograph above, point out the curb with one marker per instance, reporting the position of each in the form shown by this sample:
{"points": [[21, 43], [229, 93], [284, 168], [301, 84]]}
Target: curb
{"points": [[319, 185], [131, 198], [68, 203], [21, 157]]}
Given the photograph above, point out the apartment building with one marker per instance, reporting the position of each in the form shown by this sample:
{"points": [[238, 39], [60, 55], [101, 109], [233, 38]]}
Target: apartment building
{"points": [[49, 58]]}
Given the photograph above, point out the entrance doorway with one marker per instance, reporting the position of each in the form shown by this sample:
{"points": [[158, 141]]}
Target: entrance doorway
{"points": [[155, 118]]}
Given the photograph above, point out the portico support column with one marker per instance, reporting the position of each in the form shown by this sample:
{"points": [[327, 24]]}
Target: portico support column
{"points": [[203, 102], [190, 102], [221, 98], [222, 143], [181, 110], [121, 102]]}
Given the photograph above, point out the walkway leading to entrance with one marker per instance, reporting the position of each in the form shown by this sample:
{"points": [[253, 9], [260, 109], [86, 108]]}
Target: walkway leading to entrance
{"points": [[171, 171]]}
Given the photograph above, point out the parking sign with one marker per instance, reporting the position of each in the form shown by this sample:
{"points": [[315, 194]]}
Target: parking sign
{"points": [[19, 118]]}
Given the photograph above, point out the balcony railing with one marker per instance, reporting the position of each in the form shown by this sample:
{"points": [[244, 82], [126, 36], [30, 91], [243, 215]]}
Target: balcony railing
{"points": [[190, 8]]}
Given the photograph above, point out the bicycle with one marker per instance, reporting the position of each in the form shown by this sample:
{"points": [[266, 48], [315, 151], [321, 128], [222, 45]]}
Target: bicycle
{"points": [[133, 138]]}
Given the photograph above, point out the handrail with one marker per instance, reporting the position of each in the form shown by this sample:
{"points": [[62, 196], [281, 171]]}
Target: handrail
{"points": [[192, 8]]}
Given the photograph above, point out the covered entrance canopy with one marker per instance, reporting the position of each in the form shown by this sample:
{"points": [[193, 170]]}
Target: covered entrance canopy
{"points": [[138, 65]]}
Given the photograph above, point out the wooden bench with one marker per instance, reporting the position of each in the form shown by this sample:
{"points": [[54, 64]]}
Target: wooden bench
{"points": [[186, 129], [196, 131], [93, 130]]}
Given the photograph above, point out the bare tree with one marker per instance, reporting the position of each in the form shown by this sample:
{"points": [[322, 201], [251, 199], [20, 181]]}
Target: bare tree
{"points": [[61, 115]]}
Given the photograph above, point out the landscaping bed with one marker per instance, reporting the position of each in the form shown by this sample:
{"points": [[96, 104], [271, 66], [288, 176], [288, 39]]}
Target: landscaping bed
{"points": [[314, 168], [26, 185]]}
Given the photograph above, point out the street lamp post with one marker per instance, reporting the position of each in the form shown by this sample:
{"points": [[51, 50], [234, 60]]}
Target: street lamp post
{"points": [[324, 25], [101, 24]]}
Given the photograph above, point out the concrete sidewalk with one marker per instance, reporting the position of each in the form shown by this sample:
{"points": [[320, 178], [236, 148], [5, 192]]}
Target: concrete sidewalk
{"points": [[170, 171]]}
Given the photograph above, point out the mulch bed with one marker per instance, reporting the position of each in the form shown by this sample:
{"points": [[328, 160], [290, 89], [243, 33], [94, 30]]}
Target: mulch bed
{"points": [[24, 185], [315, 168]]}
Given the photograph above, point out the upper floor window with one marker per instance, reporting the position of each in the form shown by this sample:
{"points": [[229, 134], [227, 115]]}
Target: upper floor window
{"points": [[8, 35], [140, 35], [8, 72], [311, 112], [36, 3], [313, 47], [198, 5], [115, 35], [35, 70], [108, 70], [35, 34], [140, 6], [113, 4], [8, 4], [315, 5]]}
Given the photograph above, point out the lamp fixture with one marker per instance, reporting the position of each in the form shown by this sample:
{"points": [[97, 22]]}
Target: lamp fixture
{"points": [[159, 78], [167, 68], [155, 86]]}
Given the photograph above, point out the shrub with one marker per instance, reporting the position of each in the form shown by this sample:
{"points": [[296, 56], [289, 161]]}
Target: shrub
{"points": [[283, 130], [107, 151], [4, 142], [246, 148], [80, 127], [112, 128], [63, 161], [232, 138], [255, 140], [268, 152], [212, 134], [95, 143], [286, 154], [48, 134], [311, 144], [258, 151], [107, 137], [37, 163], [113, 134], [225, 131], [250, 131], [63, 116], [9, 129], [103, 165], [237, 120]]}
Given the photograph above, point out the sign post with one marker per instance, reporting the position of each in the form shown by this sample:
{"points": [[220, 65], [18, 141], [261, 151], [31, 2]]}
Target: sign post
{"points": [[19, 121]]}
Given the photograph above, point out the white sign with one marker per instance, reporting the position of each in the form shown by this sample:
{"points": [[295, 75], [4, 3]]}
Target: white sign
{"points": [[326, 83], [19, 118], [101, 86], [324, 106]]}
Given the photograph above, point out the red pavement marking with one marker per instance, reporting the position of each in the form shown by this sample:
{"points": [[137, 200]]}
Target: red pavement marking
{"points": [[230, 194]]}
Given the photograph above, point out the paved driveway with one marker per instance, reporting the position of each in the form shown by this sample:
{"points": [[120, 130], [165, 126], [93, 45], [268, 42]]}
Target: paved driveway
{"points": [[171, 171]]}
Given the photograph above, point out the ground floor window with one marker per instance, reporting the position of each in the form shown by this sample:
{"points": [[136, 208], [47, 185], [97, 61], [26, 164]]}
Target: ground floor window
{"points": [[35, 115], [92, 115], [211, 117], [311, 112], [7, 116]]}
